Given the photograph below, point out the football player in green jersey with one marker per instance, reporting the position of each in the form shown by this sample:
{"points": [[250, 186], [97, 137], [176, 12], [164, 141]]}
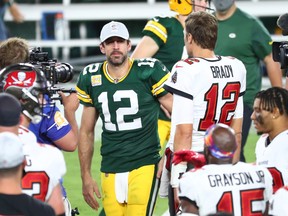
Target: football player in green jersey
{"points": [[163, 38], [126, 94]]}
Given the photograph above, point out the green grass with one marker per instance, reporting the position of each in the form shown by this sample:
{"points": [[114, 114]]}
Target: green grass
{"points": [[73, 185]]}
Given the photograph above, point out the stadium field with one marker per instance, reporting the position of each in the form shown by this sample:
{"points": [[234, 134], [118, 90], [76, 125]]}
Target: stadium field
{"points": [[73, 185]]}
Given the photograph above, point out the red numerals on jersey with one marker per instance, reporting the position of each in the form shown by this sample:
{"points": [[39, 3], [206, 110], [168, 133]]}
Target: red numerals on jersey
{"points": [[247, 197], [37, 183], [225, 203], [278, 181], [211, 97]]}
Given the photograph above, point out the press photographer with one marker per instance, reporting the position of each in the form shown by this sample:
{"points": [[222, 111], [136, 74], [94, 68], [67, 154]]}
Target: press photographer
{"points": [[280, 49], [55, 128]]}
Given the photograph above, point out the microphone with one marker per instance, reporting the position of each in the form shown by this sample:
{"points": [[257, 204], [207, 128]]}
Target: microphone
{"points": [[282, 23]]}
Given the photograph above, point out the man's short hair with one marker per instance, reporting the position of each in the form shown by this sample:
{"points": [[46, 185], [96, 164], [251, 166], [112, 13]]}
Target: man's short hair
{"points": [[10, 110], [12, 51]]}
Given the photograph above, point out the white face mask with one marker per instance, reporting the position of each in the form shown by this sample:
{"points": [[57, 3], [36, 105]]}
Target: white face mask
{"points": [[222, 5]]}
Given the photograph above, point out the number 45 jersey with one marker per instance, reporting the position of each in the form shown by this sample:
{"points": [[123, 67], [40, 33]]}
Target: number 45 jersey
{"points": [[129, 110], [241, 189], [214, 87]]}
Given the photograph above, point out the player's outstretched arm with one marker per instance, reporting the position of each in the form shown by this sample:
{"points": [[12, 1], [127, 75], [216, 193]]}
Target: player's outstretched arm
{"points": [[147, 47], [273, 70], [237, 127], [167, 102], [85, 153], [69, 142]]}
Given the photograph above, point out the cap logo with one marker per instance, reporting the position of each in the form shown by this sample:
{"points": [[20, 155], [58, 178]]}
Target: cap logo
{"points": [[20, 79], [114, 27]]}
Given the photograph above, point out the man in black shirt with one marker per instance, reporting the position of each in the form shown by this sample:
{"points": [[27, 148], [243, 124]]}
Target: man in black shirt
{"points": [[12, 162]]}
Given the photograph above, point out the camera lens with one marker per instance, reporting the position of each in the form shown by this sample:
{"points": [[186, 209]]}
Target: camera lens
{"points": [[64, 72]]}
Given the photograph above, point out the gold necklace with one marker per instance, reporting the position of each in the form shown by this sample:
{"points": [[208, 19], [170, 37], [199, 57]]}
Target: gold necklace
{"points": [[115, 80]]}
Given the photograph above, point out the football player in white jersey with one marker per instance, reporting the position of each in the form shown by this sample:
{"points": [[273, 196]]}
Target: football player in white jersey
{"points": [[278, 203], [270, 117], [45, 164], [221, 186], [207, 89]]}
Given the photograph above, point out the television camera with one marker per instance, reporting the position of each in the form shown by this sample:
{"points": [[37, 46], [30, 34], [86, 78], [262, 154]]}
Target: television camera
{"points": [[280, 53], [55, 72], [280, 49]]}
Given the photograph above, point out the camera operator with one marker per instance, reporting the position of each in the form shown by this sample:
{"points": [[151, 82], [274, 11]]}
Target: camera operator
{"points": [[280, 49], [54, 128]]}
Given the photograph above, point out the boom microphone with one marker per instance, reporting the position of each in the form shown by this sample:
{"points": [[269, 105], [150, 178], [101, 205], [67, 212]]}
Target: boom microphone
{"points": [[282, 23]]}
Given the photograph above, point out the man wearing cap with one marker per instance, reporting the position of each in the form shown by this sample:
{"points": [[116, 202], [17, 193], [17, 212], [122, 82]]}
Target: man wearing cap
{"points": [[241, 189], [126, 94], [12, 162], [40, 178]]}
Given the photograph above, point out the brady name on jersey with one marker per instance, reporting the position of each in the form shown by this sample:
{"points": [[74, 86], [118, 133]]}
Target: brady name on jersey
{"points": [[215, 86]]}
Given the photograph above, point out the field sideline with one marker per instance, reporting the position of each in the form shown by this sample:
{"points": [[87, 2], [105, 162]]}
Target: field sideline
{"points": [[73, 185]]}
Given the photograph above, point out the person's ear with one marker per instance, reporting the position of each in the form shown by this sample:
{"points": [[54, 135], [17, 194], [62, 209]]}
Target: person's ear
{"points": [[102, 49], [129, 45], [275, 113]]}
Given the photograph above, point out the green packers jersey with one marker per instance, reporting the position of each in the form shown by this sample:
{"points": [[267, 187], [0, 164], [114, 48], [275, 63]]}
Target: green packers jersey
{"points": [[129, 110], [167, 32]]}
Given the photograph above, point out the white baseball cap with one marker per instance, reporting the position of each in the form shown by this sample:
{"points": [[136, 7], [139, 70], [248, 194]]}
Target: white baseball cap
{"points": [[114, 29], [11, 150]]}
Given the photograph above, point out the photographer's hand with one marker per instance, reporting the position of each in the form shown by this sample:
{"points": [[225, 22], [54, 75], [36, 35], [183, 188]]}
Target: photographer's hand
{"points": [[70, 102]]}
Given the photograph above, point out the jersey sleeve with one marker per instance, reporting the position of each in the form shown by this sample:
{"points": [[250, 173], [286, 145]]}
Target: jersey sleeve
{"points": [[261, 40], [59, 126], [86, 80], [155, 28], [157, 73], [179, 81], [54, 126]]}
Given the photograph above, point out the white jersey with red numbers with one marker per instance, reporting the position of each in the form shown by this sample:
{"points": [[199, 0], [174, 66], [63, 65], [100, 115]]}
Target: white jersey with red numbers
{"points": [[243, 189], [274, 156], [278, 204], [212, 89], [45, 165]]}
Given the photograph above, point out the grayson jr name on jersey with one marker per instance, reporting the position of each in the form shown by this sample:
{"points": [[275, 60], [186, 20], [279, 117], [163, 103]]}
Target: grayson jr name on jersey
{"points": [[236, 178]]}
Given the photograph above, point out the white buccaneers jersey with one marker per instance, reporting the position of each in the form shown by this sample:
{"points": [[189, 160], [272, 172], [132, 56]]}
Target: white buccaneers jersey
{"points": [[208, 91], [278, 204], [274, 156], [45, 165], [242, 189]]}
